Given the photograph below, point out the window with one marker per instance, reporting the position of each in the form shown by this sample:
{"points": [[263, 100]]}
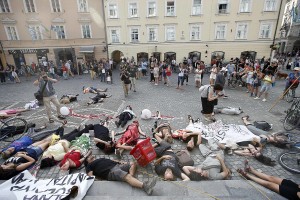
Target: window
{"points": [[195, 32], [270, 5], [223, 6], [170, 8], [152, 34], [82, 6], [265, 30], [134, 35], [60, 31], [35, 32], [170, 33], [220, 31], [132, 10], [113, 11], [4, 6], [115, 35], [29, 5], [245, 6], [196, 9], [241, 31], [86, 31], [11, 33], [55, 6], [152, 8]]}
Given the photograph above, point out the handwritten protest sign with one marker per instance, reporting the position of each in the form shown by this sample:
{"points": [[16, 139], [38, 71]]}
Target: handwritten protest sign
{"points": [[24, 186], [223, 133]]}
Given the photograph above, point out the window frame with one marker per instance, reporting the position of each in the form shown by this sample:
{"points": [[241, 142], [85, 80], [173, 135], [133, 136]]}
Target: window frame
{"points": [[129, 10], [156, 8], [56, 33], [250, 7], [227, 7], [39, 35], [9, 7], [116, 11], [26, 9], [275, 6], [117, 29], [52, 9], [237, 29], [166, 33], [193, 6], [82, 32], [270, 31], [155, 31], [79, 7], [138, 34], [216, 30], [7, 35], [191, 32], [166, 8]]}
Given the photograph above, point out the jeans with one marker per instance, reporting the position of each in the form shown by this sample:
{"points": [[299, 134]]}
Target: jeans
{"points": [[180, 80], [103, 77], [55, 101]]}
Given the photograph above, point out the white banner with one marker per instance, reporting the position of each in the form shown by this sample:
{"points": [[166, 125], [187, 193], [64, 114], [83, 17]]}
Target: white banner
{"points": [[223, 133], [26, 187]]}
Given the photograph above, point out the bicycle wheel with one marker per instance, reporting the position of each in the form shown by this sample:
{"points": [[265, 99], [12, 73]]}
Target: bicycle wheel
{"points": [[291, 120], [290, 161], [13, 129], [289, 96]]}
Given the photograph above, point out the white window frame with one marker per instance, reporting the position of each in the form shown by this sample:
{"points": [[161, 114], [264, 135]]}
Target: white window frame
{"points": [[192, 32], [82, 31], [216, 31], [155, 28], [56, 7], [227, 7], [34, 6], [196, 8], [166, 32], [83, 9], [130, 15], [6, 9], [138, 34], [166, 8], [243, 36], [117, 29], [155, 9], [242, 9], [37, 32], [266, 9], [262, 35], [10, 37], [64, 29], [116, 11]]}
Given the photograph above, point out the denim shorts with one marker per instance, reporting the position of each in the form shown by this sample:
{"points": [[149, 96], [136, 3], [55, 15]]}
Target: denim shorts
{"points": [[38, 151], [266, 88]]}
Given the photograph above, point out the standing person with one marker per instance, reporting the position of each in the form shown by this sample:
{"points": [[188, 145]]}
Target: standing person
{"points": [[209, 98], [144, 68], [230, 69], [156, 73], [198, 73], [267, 85], [152, 79], [132, 76], [15, 75], [92, 71], [186, 74], [213, 74], [168, 74], [65, 72], [220, 80], [202, 67], [68, 66], [249, 79], [124, 76], [164, 67], [180, 76], [257, 76], [2, 74], [109, 76], [294, 79], [46, 83], [103, 73]]}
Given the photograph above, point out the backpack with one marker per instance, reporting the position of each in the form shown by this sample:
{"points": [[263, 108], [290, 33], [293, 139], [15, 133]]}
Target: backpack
{"points": [[263, 125], [184, 158]]}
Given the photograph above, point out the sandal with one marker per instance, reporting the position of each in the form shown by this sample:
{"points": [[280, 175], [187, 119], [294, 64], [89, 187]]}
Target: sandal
{"points": [[247, 117], [242, 173], [51, 120], [190, 118]]}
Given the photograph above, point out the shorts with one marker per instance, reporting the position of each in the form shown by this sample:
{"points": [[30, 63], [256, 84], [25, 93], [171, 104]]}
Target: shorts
{"points": [[118, 172], [289, 189], [266, 88], [250, 81], [161, 148], [38, 151], [133, 80]]}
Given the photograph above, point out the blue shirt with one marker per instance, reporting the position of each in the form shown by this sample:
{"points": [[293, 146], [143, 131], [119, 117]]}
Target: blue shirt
{"points": [[20, 144]]}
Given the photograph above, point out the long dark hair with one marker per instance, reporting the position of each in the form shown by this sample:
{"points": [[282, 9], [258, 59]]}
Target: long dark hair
{"points": [[265, 160], [6, 174]]}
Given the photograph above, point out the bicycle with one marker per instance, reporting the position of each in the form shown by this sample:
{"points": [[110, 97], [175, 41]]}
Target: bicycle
{"points": [[290, 160], [289, 96], [292, 118], [12, 129]]}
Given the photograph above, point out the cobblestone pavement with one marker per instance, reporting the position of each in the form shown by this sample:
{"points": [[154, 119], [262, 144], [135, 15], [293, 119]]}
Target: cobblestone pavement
{"points": [[168, 100]]}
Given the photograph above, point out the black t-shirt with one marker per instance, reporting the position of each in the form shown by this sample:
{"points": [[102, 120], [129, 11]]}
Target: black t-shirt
{"points": [[168, 163], [101, 167], [102, 133]]}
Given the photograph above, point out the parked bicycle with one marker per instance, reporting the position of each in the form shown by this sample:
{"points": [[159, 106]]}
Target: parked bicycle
{"points": [[292, 118], [289, 96], [12, 129]]}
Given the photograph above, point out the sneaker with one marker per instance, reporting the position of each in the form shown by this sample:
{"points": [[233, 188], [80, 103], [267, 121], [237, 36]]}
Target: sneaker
{"points": [[247, 91], [149, 185], [225, 97], [257, 98], [264, 100], [134, 90]]}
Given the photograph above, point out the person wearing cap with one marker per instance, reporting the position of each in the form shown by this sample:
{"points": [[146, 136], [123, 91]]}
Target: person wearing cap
{"points": [[294, 79], [45, 83]]}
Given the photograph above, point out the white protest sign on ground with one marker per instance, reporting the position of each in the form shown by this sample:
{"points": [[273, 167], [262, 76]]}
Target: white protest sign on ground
{"points": [[223, 133], [24, 186]]}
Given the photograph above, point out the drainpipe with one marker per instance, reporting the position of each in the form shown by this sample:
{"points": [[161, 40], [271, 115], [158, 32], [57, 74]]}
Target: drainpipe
{"points": [[105, 29], [275, 32]]}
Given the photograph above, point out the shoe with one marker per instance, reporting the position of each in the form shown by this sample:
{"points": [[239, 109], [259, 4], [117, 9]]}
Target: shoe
{"points": [[149, 185], [134, 90], [158, 115], [247, 91], [257, 98], [213, 119], [242, 173], [251, 94], [190, 118], [51, 120], [198, 120], [264, 100], [225, 97], [61, 117]]}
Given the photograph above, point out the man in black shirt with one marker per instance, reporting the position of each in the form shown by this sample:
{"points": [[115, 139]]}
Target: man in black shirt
{"points": [[117, 171], [102, 139]]}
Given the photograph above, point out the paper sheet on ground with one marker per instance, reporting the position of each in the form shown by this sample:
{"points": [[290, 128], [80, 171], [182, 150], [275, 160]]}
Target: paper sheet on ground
{"points": [[223, 133], [24, 186]]}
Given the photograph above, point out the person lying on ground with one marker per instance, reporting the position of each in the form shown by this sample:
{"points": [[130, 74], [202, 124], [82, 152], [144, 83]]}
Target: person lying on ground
{"points": [[102, 139], [99, 98], [112, 170], [164, 131], [213, 167], [227, 110], [58, 150], [167, 164], [92, 90], [284, 187], [23, 159], [129, 138], [11, 112], [125, 116], [66, 99], [30, 138]]}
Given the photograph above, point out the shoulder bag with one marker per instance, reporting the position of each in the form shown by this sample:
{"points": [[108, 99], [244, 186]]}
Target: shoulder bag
{"points": [[39, 94]]}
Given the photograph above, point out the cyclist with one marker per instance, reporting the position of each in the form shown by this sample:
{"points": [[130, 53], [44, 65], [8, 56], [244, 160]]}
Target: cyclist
{"points": [[293, 78]]}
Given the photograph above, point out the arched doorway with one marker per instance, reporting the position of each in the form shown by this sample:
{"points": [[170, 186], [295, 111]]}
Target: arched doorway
{"points": [[248, 54], [116, 56], [195, 56], [217, 56], [142, 56], [64, 55], [157, 56], [296, 46], [169, 56]]}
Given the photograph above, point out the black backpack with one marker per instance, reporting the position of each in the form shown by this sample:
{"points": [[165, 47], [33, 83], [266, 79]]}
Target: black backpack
{"points": [[263, 125]]}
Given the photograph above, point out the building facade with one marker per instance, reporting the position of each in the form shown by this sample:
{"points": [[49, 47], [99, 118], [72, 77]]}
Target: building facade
{"points": [[290, 28], [200, 29], [37, 30]]}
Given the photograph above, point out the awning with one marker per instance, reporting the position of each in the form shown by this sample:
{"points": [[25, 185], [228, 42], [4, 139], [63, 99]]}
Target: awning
{"points": [[87, 49]]}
